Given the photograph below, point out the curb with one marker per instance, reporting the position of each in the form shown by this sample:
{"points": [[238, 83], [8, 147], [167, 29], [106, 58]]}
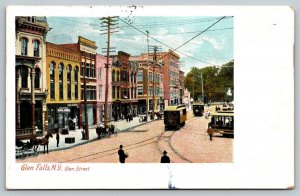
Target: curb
{"points": [[94, 139]]}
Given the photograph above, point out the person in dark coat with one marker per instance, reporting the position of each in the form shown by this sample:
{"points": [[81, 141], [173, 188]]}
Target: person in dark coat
{"points": [[165, 158], [122, 154], [57, 138]]}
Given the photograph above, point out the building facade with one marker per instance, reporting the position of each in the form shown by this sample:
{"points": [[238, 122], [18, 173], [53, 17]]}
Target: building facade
{"points": [[124, 86], [88, 69], [149, 81], [63, 81], [101, 61], [31, 88]]}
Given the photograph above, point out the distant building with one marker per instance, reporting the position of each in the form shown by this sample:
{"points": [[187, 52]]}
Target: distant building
{"points": [[145, 83], [31, 88], [87, 49], [63, 82]]}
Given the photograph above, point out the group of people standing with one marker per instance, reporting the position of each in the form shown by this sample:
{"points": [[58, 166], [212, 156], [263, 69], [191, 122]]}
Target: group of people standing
{"points": [[123, 156]]}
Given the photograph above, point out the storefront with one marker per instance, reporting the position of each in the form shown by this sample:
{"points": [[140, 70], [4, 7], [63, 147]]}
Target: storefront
{"points": [[59, 115]]}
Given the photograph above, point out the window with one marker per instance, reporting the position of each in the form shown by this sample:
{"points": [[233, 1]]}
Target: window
{"points": [[150, 90], [140, 90], [113, 75], [36, 48], [24, 46], [156, 90], [37, 78], [150, 76], [124, 76], [76, 81], [52, 81], [24, 75], [113, 92], [131, 93], [100, 92], [118, 76], [100, 73], [118, 92], [87, 70], [82, 69], [69, 70], [157, 78], [140, 76], [92, 71], [61, 80]]}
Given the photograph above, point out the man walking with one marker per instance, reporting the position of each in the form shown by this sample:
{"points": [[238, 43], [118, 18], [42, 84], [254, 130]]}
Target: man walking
{"points": [[165, 158], [57, 138], [122, 154]]}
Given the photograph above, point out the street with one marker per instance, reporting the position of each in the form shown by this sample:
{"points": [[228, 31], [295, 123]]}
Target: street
{"points": [[145, 144]]}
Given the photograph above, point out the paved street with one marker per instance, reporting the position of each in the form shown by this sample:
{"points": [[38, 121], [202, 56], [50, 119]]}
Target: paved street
{"points": [[145, 144]]}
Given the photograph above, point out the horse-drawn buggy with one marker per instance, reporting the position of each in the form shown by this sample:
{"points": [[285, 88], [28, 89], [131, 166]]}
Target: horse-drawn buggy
{"points": [[27, 142], [104, 131]]}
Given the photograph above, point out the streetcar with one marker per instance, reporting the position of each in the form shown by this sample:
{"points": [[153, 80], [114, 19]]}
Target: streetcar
{"points": [[198, 109], [174, 116], [222, 123]]}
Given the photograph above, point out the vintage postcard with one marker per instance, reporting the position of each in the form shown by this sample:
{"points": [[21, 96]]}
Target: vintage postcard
{"points": [[149, 97]]}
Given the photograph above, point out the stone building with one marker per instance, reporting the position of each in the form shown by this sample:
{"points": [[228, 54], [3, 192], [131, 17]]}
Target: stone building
{"points": [[31, 88], [63, 81]]}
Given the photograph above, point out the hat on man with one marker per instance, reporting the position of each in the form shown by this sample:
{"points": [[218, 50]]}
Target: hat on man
{"points": [[165, 152]]}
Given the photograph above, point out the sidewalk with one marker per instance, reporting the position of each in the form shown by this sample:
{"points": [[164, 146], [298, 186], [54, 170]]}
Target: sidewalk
{"points": [[122, 125]]}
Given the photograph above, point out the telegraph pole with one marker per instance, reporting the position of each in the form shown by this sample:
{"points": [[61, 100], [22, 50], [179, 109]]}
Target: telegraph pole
{"points": [[147, 98], [85, 102], [202, 88], [109, 27], [155, 49]]}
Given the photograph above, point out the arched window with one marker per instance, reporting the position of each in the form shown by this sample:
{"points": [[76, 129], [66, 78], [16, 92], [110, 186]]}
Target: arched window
{"points": [[113, 75], [24, 75], [118, 76], [76, 81], [36, 48], [69, 70], [37, 78], [61, 80], [52, 80], [24, 46]]}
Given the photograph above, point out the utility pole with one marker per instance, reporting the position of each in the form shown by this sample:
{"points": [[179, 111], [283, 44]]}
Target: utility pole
{"points": [[85, 101], [202, 88], [147, 98], [108, 23], [155, 49]]}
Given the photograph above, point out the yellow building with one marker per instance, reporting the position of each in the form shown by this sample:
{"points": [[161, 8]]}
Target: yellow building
{"points": [[63, 84]]}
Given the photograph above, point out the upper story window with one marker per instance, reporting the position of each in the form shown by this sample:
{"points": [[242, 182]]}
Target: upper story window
{"points": [[37, 78], [24, 75], [24, 46], [36, 48], [52, 82], [140, 76], [61, 72], [150, 76], [113, 75], [100, 73], [69, 70]]}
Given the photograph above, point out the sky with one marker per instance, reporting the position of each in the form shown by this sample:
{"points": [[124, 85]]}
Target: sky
{"points": [[200, 41]]}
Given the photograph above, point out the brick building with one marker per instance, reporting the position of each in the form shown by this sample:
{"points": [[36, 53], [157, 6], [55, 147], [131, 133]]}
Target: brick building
{"points": [[87, 50], [63, 81]]}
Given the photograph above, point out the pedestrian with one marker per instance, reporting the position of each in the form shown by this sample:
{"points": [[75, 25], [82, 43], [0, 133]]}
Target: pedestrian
{"points": [[165, 158], [122, 154], [210, 132], [57, 138]]}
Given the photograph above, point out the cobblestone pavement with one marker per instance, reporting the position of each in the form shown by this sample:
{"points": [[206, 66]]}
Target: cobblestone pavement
{"points": [[145, 144]]}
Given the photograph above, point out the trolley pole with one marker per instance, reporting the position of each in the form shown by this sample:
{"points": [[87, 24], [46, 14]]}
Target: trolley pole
{"points": [[147, 95], [86, 123], [107, 22], [202, 88]]}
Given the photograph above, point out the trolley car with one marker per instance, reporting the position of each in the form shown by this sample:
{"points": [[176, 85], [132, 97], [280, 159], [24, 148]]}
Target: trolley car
{"points": [[174, 116], [198, 109], [222, 123]]}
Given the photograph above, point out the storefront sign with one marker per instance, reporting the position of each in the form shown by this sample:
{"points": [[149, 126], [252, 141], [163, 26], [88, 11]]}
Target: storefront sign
{"points": [[63, 110]]}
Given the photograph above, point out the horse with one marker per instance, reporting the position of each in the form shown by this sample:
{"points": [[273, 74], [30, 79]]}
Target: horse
{"points": [[43, 142]]}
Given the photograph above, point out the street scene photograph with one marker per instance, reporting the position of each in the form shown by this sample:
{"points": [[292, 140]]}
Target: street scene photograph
{"points": [[124, 89]]}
